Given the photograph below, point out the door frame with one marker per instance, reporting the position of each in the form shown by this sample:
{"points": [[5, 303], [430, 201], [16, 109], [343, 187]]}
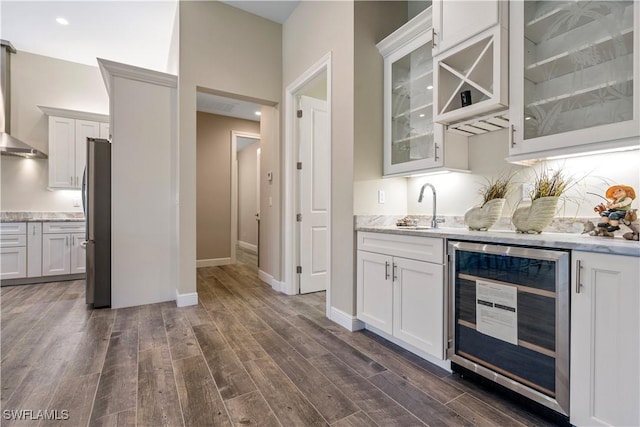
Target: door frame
{"points": [[235, 134], [291, 284]]}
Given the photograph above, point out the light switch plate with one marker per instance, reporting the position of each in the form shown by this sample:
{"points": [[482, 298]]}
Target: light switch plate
{"points": [[381, 197]]}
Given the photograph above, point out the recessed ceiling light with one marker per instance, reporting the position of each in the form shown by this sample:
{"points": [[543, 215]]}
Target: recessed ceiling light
{"points": [[60, 20], [421, 115], [429, 87], [258, 113]]}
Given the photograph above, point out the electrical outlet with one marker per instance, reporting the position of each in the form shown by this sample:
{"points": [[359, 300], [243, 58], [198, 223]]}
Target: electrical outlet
{"points": [[527, 189], [381, 197]]}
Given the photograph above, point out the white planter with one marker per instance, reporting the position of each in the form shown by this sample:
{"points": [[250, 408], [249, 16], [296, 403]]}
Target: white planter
{"points": [[536, 216], [483, 217]]}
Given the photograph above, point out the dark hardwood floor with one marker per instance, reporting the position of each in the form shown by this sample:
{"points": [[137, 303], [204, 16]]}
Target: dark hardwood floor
{"points": [[246, 355]]}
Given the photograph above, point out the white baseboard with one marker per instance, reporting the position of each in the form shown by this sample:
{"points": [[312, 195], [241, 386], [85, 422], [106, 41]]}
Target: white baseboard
{"points": [[248, 246], [184, 300], [275, 284], [346, 320], [214, 262]]}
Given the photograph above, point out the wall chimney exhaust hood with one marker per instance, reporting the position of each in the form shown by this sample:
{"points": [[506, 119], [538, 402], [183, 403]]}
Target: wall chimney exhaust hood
{"points": [[8, 144]]}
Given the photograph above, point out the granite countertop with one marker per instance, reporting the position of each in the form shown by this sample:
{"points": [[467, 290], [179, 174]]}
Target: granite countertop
{"points": [[41, 217], [572, 241]]}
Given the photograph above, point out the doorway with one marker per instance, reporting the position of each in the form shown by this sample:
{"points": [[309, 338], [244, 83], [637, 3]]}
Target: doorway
{"points": [[246, 197], [308, 182]]}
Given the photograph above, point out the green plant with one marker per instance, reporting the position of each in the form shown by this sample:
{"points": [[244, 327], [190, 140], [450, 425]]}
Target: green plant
{"points": [[549, 184], [495, 189]]}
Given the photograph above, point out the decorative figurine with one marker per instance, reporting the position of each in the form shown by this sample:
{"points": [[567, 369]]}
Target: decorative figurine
{"points": [[612, 212]]}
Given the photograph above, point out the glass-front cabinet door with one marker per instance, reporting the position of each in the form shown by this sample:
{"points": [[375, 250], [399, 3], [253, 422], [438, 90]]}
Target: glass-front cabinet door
{"points": [[574, 75], [412, 142]]}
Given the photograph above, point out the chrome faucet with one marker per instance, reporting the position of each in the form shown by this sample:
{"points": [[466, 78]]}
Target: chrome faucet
{"points": [[434, 221]]}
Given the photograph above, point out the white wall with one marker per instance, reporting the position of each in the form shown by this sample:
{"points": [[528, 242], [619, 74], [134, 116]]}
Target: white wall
{"points": [[40, 80], [458, 192], [143, 128]]}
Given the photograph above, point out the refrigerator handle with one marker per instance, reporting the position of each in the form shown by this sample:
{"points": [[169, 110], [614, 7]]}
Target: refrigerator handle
{"points": [[83, 191]]}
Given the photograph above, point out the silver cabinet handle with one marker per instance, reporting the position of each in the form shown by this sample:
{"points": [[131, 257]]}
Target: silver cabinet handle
{"points": [[71, 180], [66, 240], [512, 138], [83, 244], [386, 270], [578, 276], [433, 38], [435, 152], [395, 268]]}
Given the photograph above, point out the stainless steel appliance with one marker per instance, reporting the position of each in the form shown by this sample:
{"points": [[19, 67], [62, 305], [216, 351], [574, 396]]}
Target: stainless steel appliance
{"points": [[509, 318], [96, 198], [11, 145]]}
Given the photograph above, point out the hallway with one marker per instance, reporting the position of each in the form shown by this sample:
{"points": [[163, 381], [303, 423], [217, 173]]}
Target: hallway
{"points": [[246, 355]]}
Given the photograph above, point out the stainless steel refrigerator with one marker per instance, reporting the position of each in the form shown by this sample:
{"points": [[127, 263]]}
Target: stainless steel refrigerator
{"points": [[96, 198]]}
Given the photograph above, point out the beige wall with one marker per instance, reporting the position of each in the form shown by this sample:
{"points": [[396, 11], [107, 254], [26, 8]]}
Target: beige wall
{"points": [[374, 21], [40, 80], [314, 29], [225, 50], [213, 182], [248, 194]]}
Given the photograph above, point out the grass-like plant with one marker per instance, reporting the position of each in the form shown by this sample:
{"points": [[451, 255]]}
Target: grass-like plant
{"points": [[497, 188], [549, 184]]}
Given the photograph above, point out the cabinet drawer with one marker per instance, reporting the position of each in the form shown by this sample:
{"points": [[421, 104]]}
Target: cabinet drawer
{"points": [[13, 228], [430, 249], [62, 227], [13, 241]]}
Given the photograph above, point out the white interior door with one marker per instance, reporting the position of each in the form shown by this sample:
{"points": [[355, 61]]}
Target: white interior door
{"points": [[314, 188]]}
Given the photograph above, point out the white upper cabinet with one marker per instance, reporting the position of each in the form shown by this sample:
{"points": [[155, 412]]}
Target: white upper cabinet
{"points": [[470, 55], [457, 21], [62, 154], [68, 133], [412, 141], [572, 73]]}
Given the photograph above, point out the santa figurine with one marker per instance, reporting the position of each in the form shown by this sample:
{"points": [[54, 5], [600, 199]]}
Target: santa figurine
{"points": [[620, 198]]}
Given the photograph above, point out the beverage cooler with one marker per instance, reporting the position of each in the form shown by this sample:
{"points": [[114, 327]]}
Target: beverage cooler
{"points": [[509, 318]]}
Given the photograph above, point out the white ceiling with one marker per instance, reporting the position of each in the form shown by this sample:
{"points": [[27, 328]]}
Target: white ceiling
{"points": [[131, 32]]}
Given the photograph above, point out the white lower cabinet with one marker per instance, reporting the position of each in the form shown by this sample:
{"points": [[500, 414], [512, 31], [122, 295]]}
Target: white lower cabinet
{"points": [[605, 340], [13, 250], [62, 250], [400, 288]]}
